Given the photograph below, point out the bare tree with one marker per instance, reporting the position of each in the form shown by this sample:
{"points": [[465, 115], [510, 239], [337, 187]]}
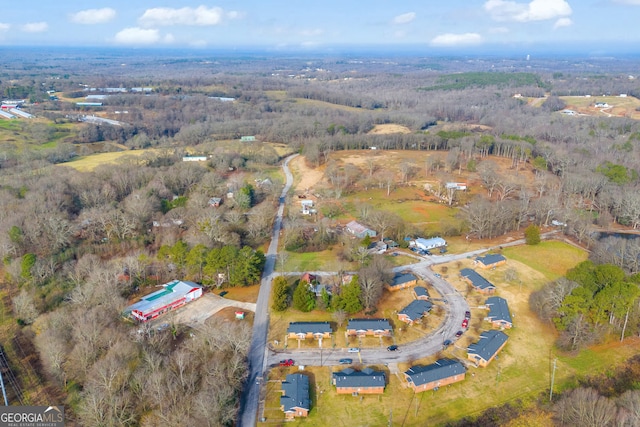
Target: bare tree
{"points": [[24, 308]]}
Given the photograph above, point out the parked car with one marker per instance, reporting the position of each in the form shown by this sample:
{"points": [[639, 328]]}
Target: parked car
{"points": [[427, 253], [354, 350], [437, 275], [392, 347], [287, 362], [443, 251], [459, 334], [446, 343], [465, 323], [346, 361], [467, 315]]}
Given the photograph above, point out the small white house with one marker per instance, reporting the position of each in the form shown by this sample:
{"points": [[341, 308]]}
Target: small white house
{"points": [[194, 159], [427, 244], [456, 186]]}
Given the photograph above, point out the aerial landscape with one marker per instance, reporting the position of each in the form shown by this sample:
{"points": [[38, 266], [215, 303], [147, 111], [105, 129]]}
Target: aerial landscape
{"points": [[247, 214]]}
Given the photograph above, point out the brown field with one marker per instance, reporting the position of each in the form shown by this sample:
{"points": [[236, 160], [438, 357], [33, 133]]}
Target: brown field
{"points": [[386, 129]]}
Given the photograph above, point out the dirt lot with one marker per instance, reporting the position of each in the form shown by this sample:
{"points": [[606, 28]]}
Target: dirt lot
{"points": [[387, 129], [197, 312]]}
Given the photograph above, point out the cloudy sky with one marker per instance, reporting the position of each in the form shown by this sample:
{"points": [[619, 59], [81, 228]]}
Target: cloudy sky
{"points": [[438, 24]]}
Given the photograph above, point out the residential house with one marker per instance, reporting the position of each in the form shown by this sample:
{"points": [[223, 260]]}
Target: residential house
{"points": [[427, 244], [478, 282], [314, 284], [304, 330], [172, 295], [364, 327], [359, 230], [441, 373], [307, 207], [194, 159], [421, 293], [499, 315], [214, 202], [415, 311], [367, 381], [378, 247], [401, 281], [456, 186], [487, 347], [295, 401], [490, 261]]}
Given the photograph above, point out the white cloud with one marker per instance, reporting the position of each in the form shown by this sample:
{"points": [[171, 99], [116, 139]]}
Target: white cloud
{"points": [[198, 43], [165, 16], [631, 2], [137, 36], [311, 32], [562, 22], [35, 27], [169, 38], [234, 14], [450, 39], [535, 10], [93, 16], [405, 18], [4, 27], [499, 30]]}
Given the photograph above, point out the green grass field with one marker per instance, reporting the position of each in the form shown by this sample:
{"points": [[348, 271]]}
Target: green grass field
{"points": [[551, 258]]}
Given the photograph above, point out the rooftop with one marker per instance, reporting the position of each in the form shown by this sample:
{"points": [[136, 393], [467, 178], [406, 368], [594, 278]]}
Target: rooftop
{"points": [[400, 279], [441, 369], [476, 279], [421, 291], [296, 393], [309, 327], [365, 378], [488, 344], [170, 292], [498, 309], [369, 324], [416, 309], [491, 259]]}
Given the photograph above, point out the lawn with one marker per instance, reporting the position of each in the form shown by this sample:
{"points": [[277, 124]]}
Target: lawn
{"points": [[551, 258], [89, 163], [326, 260]]}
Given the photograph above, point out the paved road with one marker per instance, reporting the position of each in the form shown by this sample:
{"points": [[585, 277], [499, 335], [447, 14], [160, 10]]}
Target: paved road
{"points": [[430, 344], [249, 401]]}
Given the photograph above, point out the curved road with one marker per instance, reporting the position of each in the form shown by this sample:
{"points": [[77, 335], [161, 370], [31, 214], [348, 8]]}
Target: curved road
{"points": [[259, 356], [257, 360]]}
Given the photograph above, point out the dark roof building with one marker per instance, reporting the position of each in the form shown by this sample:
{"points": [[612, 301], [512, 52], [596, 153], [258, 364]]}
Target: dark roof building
{"points": [[295, 400], [303, 328], [401, 281], [366, 381], [374, 327], [477, 281], [486, 349], [498, 312], [421, 292], [415, 311], [490, 260], [359, 230], [440, 373]]}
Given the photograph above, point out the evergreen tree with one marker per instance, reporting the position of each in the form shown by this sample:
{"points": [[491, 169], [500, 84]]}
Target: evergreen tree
{"points": [[351, 296], [303, 297], [532, 234], [280, 294]]}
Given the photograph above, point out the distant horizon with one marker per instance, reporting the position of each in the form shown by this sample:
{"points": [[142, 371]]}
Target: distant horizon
{"points": [[528, 53]]}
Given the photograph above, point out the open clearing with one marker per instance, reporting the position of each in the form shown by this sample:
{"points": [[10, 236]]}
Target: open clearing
{"points": [[619, 106], [386, 129]]}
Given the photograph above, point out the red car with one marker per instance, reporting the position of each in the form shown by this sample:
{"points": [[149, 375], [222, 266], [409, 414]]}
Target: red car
{"points": [[288, 362], [465, 323]]}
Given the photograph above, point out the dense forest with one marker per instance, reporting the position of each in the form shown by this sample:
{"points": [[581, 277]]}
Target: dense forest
{"points": [[77, 244]]}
